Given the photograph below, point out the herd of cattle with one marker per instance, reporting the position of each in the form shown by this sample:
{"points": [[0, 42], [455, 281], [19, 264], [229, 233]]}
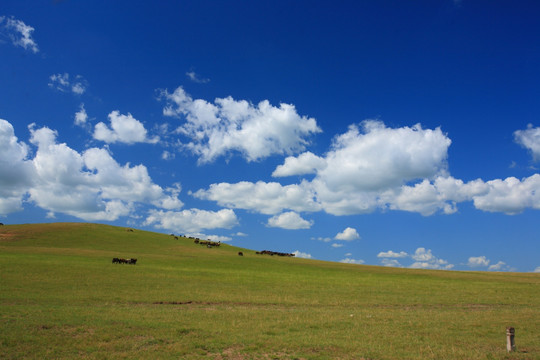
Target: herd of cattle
{"points": [[272, 253], [124, 261], [208, 243]]}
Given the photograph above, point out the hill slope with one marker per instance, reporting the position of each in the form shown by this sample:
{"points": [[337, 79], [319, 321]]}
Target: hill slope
{"points": [[61, 297]]}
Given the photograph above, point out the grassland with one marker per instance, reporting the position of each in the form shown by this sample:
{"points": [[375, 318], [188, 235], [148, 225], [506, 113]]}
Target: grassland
{"points": [[62, 298]]}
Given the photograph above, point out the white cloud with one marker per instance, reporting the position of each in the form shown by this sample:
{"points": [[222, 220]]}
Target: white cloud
{"points": [[16, 171], [391, 254], [62, 82], [537, 270], [166, 155], [289, 220], [348, 234], [390, 263], [256, 131], [193, 76], [378, 157], [240, 234], [89, 185], [320, 238], [81, 117], [218, 238], [529, 139], [424, 259], [501, 265], [266, 198], [192, 220], [124, 129], [475, 261], [423, 198], [380, 168], [510, 196], [336, 245], [18, 32], [369, 160], [302, 255], [352, 261], [305, 163]]}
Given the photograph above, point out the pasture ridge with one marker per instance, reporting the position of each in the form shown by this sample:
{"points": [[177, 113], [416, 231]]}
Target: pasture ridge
{"points": [[61, 297]]}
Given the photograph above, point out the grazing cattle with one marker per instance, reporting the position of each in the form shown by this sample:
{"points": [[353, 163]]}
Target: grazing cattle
{"points": [[208, 243], [129, 230], [176, 238], [240, 253], [124, 261], [1, 224], [272, 253]]}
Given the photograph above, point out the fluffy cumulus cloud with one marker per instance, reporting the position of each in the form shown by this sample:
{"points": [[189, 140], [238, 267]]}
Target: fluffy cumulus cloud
{"points": [[424, 259], [368, 167], [428, 197], [537, 270], [475, 261], [352, 261], [17, 172], [529, 139], [81, 117], [266, 198], [256, 131], [500, 266], [305, 163], [18, 32], [302, 255], [192, 220], [124, 129], [390, 262], [372, 166], [392, 254], [289, 220], [349, 234], [389, 258], [63, 83], [374, 157], [510, 196], [421, 259], [89, 185]]}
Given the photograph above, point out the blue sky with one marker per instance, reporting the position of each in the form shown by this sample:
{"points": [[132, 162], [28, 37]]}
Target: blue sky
{"points": [[378, 132]]}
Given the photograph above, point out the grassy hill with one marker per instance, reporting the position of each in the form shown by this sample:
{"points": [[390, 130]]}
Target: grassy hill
{"points": [[61, 297]]}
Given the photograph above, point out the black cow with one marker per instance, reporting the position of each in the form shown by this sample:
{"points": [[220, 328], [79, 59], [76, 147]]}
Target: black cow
{"points": [[240, 253]]}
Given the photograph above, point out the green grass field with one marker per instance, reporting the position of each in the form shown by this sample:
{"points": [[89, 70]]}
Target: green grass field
{"points": [[62, 298]]}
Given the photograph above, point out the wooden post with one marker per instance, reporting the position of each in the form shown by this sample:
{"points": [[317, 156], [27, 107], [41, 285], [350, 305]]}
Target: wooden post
{"points": [[510, 344]]}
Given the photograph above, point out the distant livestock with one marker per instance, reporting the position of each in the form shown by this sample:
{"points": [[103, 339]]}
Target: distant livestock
{"points": [[240, 253], [124, 261], [208, 243], [272, 253]]}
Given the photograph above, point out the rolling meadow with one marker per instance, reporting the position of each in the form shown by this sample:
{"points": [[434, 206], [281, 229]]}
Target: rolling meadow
{"points": [[61, 297]]}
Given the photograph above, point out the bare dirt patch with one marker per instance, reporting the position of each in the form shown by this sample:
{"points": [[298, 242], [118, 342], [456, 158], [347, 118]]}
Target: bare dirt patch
{"points": [[7, 237]]}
